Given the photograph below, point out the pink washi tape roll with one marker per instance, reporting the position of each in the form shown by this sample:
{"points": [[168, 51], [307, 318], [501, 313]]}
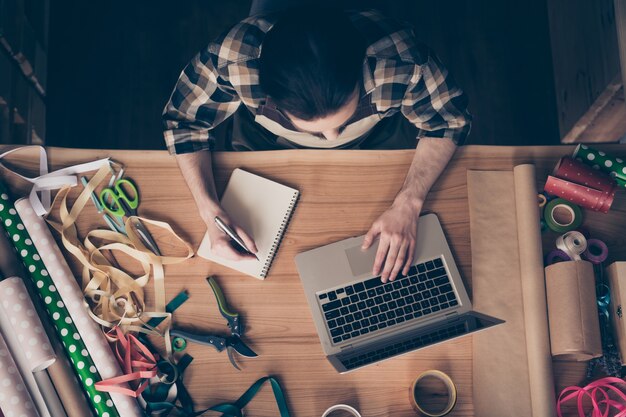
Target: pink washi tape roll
{"points": [[14, 397], [15, 302]]}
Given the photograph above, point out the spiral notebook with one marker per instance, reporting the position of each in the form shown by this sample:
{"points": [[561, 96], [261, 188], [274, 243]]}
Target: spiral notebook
{"points": [[262, 208]]}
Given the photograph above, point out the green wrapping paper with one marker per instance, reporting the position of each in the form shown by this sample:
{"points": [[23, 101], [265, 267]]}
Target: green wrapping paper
{"points": [[615, 167], [82, 362]]}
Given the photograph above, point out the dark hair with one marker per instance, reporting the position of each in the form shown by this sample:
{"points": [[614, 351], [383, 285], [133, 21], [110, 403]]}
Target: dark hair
{"points": [[311, 61]]}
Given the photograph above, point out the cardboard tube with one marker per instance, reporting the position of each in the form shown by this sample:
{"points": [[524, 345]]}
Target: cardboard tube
{"points": [[67, 386], [533, 292], [573, 311]]}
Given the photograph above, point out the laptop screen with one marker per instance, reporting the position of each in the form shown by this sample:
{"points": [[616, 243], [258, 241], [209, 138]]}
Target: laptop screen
{"points": [[463, 325]]}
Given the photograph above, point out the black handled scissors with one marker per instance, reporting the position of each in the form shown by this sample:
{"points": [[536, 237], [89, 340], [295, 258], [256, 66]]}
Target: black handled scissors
{"points": [[235, 324]]}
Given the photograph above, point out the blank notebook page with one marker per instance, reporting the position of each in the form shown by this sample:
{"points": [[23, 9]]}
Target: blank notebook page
{"points": [[262, 208]]}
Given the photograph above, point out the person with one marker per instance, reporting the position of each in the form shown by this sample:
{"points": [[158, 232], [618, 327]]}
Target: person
{"points": [[314, 77]]}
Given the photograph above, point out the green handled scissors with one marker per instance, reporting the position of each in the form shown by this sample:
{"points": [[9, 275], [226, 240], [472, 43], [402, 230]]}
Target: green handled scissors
{"points": [[118, 201]]}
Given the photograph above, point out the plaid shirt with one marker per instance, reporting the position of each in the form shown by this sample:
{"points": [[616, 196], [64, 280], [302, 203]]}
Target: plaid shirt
{"points": [[399, 74]]}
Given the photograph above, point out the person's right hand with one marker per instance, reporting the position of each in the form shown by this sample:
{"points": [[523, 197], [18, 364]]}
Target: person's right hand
{"points": [[220, 242]]}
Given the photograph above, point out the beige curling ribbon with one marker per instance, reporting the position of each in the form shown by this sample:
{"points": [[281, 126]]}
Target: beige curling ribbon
{"points": [[117, 297]]}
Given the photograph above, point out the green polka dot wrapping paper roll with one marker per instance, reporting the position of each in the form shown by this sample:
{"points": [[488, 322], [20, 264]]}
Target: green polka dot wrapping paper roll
{"points": [[82, 362], [615, 167]]}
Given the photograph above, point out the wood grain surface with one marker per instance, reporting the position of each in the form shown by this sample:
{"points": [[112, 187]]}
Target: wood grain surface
{"points": [[342, 193]]}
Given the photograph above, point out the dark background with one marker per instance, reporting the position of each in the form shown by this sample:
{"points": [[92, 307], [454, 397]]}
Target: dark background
{"points": [[112, 65]]}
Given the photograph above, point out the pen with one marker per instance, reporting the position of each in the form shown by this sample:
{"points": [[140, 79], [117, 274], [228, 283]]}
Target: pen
{"points": [[231, 233]]}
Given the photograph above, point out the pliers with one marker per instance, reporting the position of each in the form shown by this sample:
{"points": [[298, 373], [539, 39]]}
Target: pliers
{"points": [[235, 324]]}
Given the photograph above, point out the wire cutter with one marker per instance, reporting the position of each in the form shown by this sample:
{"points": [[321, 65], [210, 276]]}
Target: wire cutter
{"points": [[235, 324]]}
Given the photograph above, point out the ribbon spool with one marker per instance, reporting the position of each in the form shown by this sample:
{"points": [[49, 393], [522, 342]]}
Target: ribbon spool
{"points": [[557, 255], [573, 244], [562, 216], [596, 252], [450, 387], [341, 407]]}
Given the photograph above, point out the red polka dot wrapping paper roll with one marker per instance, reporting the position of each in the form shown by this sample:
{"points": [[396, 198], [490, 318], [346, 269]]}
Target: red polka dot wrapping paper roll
{"points": [[582, 185], [82, 362]]}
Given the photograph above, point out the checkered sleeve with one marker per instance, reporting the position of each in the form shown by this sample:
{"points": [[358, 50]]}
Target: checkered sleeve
{"points": [[433, 102], [201, 100]]}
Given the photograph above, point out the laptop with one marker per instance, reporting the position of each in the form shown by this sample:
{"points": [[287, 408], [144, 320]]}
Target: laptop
{"points": [[361, 321]]}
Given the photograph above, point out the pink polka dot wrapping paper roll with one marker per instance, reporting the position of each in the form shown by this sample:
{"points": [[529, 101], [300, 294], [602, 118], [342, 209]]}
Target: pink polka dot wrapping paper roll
{"points": [[70, 292], [15, 401], [582, 185], [15, 302], [82, 362], [581, 195]]}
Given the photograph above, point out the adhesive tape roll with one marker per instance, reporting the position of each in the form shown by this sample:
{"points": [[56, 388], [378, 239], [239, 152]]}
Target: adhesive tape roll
{"points": [[542, 200], [341, 407], [179, 344], [562, 216], [450, 387], [597, 251], [573, 243]]}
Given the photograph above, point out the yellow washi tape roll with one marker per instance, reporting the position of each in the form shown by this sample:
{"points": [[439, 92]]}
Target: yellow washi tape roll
{"points": [[542, 200], [341, 407], [451, 388]]}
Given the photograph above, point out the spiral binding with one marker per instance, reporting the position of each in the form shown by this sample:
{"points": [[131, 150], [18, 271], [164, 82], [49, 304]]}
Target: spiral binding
{"points": [[279, 237]]}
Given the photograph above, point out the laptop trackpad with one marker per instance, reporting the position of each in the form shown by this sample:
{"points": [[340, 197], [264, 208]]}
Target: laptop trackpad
{"points": [[361, 261]]}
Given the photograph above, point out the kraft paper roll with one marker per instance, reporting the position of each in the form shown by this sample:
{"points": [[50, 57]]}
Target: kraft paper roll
{"points": [[616, 273], [14, 397], [573, 311], [70, 292], [15, 302], [82, 361], [506, 246]]}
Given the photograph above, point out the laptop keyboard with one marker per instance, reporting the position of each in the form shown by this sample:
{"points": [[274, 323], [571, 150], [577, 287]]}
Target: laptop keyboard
{"points": [[402, 347], [369, 306]]}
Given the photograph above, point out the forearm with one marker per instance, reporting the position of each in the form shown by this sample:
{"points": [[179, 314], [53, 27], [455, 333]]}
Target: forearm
{"points": [[197, 169], [431, 157]]}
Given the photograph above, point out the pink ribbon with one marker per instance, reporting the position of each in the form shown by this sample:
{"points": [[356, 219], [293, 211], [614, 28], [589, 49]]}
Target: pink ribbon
{"points": [[598, 393], [137, 362]]}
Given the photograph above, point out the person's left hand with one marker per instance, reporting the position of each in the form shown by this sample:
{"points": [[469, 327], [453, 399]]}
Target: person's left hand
{"points": [[397, 228]]}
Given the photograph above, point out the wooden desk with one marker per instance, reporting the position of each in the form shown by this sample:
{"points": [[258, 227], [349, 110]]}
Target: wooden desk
{"points": [[342, 193]]}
